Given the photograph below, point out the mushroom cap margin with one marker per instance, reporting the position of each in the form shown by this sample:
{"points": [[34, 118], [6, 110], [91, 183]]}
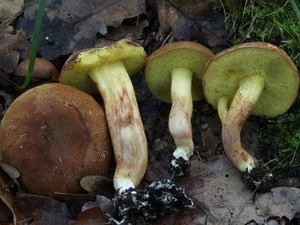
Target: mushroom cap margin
{"points": [[76, 68]]}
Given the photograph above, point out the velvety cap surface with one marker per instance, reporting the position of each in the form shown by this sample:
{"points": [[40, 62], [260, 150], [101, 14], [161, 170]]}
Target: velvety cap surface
{"points": [[76, 69], [228, 68], [54, 135], [176, 55]]}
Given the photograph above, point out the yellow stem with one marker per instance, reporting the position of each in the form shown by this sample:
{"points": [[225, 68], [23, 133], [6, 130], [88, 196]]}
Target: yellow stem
{"points": [[234, 118], [125, 124], [181, 112]]}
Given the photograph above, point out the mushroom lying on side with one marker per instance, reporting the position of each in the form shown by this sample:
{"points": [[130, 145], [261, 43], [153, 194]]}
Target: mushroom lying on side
{"points": [[173, 74], [107, 69], [251, 78], [42, 70], [54, 135]]}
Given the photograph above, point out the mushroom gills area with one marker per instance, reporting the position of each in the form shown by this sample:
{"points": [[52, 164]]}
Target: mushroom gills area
{"points": [[224, 73], [125, 125], [180, 117], [158, 72], [233, 118]]}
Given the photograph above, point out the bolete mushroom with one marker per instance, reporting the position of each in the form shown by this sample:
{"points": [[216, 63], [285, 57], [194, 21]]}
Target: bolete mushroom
{"points": [[42, 70], [173, 74], [251, 78], [54, 135], [107, 69]]}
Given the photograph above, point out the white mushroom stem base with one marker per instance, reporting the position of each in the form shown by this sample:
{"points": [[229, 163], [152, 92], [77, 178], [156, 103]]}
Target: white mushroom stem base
{"points": [[180, 115], [125, 124], [233, 118]]}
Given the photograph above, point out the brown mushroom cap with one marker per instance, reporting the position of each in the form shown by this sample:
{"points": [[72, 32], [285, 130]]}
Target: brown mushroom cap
{"points": [[54, 135], [225, 71], [43, 69], [178, 54], [75, 71]]}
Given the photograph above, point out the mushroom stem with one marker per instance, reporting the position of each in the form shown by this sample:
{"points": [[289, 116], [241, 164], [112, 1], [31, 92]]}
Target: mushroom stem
{"points": [[181, 113], [124, 122], [233, 118]]}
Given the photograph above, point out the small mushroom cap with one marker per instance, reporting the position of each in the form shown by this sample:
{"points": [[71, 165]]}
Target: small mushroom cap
{"points": [[54, 135], [76, 69], [180, 54], [43, 69], [229, 67]]}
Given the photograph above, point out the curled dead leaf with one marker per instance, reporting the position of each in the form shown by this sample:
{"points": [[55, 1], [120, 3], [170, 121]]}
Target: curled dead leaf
{"points": [[42, 210], [7, 197], [96, 183], [93, 216], [74, 201], [11, 171], [222, 198], [192, 20], [5, 213], [67, 28], [11, 46], [9, 9], [281, 201], [102, 202]]}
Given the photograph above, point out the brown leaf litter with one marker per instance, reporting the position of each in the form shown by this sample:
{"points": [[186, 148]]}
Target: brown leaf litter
{"points": [[192, 20], [71, 25]]}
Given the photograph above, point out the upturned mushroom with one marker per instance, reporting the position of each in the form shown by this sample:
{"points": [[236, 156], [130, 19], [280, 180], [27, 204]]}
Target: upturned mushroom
{"points": [[251, 78], [173, 74], [54, 135], [107, 69]]}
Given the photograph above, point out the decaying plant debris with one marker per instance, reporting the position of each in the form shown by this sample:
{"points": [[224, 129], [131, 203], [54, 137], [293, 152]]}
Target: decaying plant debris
{"points": [[219, 196]]}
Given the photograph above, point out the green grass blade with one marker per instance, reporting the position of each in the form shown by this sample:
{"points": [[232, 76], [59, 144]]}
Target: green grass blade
{"points": [[296, 9], [35, 42]]}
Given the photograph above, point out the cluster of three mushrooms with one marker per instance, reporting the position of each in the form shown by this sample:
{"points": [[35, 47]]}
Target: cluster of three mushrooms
{"points": [[107, 69], [257, 78]]}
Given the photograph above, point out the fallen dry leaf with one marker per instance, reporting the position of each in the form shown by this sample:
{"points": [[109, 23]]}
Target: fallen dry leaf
{"points": [[71, 25], [7, 197], [192, 20], [42, 210], [4, 79], [218, 187], [5, 213], [11, 46], [122, 32], [96, 183], [281, 201], [11, 171], [223, 199], [9, 9], [74, 201], [93, 216], [6, 100], [102, 202], [193, 8]]}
